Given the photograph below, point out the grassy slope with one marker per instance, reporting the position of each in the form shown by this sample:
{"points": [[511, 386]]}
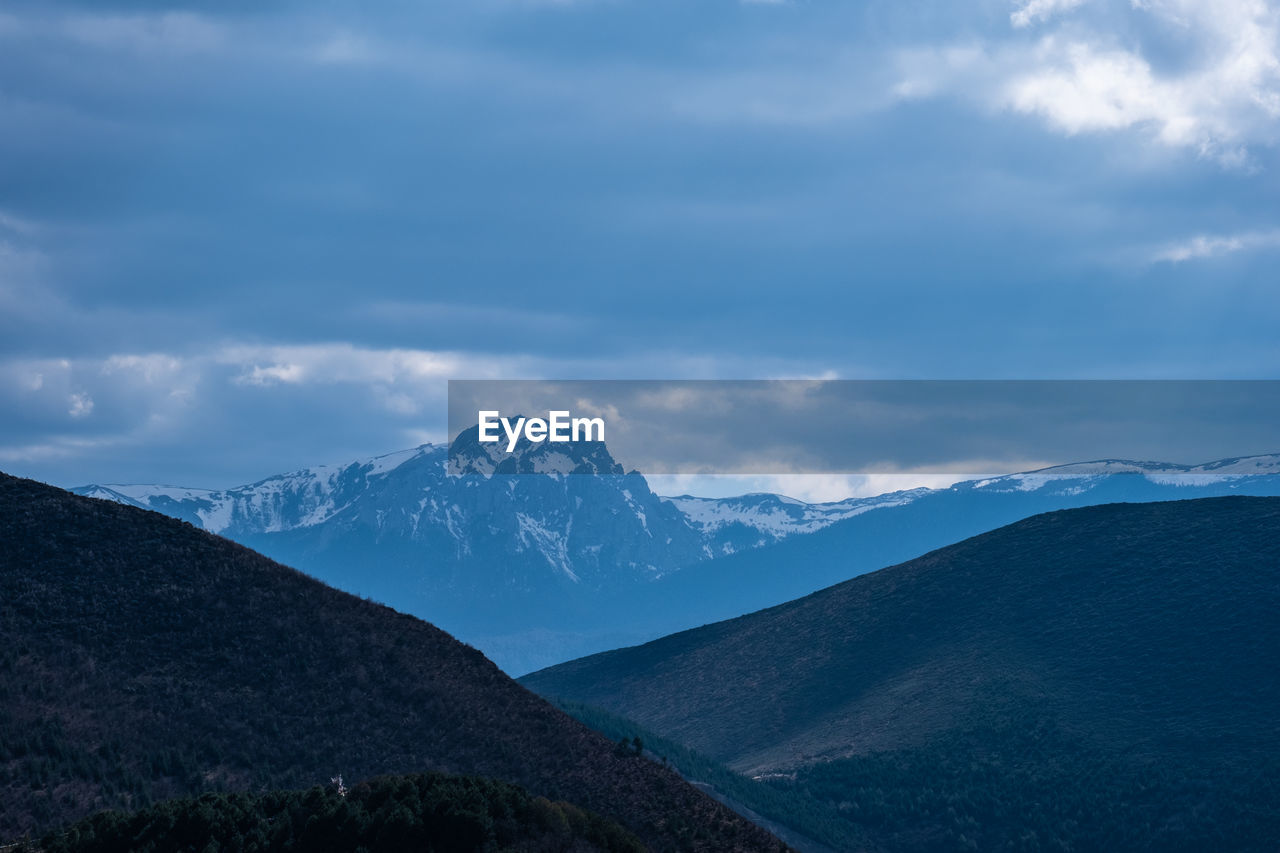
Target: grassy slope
{"points": [[1149, 624]]}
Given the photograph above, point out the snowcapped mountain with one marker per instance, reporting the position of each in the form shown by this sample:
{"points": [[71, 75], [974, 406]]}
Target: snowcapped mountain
{"points": [[303, 498], [548, 527], [543, 565], [476, 504]]}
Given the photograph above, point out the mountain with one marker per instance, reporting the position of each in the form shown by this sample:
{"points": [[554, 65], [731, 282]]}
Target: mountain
{"points": [[540, 564], [495, 560], [142, 658], [549, 528], [1095, 678], [515, 564]]}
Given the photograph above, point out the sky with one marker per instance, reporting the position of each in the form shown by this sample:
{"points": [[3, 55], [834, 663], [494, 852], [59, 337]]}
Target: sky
{"points": [[241, 238]]}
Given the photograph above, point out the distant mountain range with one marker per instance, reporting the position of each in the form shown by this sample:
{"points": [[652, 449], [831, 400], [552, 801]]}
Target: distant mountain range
{"points": [[1090, 679], [142, 659], [534, 563], [558, 524]]}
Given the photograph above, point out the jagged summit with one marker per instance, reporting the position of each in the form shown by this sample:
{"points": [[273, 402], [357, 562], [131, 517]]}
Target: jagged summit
{"points": [[470, 456]]}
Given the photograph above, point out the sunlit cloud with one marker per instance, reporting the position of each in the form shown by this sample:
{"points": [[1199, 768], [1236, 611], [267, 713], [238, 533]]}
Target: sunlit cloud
{"points": [[1220, 97]]}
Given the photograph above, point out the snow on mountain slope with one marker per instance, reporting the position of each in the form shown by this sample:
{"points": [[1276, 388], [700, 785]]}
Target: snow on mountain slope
{"points": [[1078, 475], [302, 498], [146, 493], [115, 493], [755, 520]]}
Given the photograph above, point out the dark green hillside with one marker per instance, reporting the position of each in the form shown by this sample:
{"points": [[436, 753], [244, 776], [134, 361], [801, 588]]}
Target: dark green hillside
{"points": [[1087, 678], [447, 814], [142, 659], [811, 824]]}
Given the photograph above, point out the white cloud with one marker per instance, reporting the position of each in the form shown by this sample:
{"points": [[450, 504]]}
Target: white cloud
{"points": [[1078, 87], [151, 367], [343, 362], [1034, 10], [1216, 92], [81, 405], [272, 374], [1209, 246]]}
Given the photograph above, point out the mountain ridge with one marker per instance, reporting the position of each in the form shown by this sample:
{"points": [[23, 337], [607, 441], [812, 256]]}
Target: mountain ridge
{"points": [[819, 513], [541, 568]]}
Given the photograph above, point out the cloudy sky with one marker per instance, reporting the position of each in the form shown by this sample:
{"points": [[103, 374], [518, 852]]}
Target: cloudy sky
{"points": [[238, 238]]}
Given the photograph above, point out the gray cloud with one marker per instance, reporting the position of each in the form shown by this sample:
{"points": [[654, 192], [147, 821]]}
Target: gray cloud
{"points": [[275, 200]]}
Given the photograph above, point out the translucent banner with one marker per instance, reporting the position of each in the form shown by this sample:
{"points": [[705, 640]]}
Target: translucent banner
{"points": [[754, 427]]}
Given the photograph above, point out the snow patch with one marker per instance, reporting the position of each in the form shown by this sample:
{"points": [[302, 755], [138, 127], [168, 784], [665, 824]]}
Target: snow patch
{"points": [[144, 493], [778, 517]]}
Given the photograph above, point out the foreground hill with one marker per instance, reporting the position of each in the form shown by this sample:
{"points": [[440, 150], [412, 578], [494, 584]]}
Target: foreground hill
{"points": [[141, 658], [1100, 678]]}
